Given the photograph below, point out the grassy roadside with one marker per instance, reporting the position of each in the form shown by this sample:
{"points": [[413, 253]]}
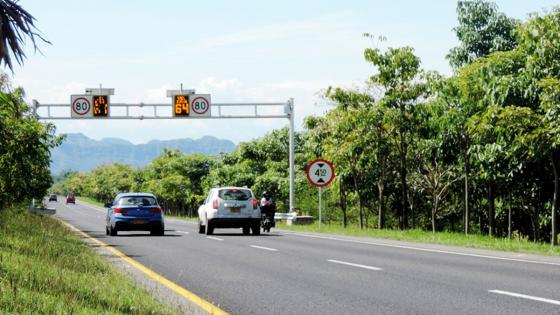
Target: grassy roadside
{"points": [[442, 238], [46, 269]]}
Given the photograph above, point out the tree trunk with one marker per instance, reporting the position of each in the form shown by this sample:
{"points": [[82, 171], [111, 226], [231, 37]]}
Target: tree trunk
{"points": [[466, 215], [343, 203], [403, 170], [434, 209], [555, 159], [491, 208], [381, 206], [509, 217]]}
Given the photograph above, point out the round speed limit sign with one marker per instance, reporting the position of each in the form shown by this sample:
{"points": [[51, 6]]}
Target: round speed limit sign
{"points": [[200, 105], [81, 106], [320, 173]]}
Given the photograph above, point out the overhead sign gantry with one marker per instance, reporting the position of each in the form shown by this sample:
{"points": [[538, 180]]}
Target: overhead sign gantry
{"points": [[95, 104]]}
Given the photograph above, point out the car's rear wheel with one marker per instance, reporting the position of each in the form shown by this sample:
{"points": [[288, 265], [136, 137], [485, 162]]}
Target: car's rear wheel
{"points": [[106, 230], [157, 231], [113, 231], [246, 230], [201, 228], [256, 229], [209, 228]]}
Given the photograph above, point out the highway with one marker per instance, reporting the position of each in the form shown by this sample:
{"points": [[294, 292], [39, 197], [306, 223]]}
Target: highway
{"points": [[303, 273]]}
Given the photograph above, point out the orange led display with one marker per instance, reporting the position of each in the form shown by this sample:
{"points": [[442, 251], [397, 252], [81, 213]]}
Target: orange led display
{"points": [[100, 106], [181, 105]]}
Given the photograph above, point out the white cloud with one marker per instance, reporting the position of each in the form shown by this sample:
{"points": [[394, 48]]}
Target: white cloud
{"points": [[316, 26]]}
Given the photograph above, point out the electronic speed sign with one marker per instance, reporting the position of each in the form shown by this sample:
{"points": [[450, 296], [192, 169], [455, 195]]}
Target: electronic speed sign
{"points": [[320, 173], [100, 106], [181, 106], [185, 105]]}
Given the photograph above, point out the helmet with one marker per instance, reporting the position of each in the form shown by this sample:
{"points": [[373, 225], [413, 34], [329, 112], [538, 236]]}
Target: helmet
{"points": [[266, 194]]}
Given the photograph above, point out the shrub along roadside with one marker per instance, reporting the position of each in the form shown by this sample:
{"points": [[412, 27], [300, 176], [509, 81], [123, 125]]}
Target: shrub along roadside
{"points": [[46, 269], [442, 238]]}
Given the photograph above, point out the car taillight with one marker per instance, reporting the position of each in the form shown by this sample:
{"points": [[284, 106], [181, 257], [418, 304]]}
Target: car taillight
{"points": [[120, 210], [155, 210], [215, 203], [254, 201]]}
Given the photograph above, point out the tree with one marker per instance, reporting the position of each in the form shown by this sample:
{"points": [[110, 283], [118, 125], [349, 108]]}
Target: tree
{"points": [[540, 41], [481, 31], [15, 25], [25, 150], [399, 77]]}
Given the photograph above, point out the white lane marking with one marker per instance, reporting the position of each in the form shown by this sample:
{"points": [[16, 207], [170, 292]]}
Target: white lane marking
{"points": [[353, 265], [528, 297], [265, 248], [96, 208], [427, 249], [214, 238], [183, 232]]}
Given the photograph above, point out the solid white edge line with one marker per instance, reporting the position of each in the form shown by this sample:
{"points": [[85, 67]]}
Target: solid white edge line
{"points": [[353, 265], [427, 249], [183, 232], [214, 238], [265, 248], [523, 296]]}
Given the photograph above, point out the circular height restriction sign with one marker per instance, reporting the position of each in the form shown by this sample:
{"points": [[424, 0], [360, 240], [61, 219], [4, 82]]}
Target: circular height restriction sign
{"points": [[320, 173]]}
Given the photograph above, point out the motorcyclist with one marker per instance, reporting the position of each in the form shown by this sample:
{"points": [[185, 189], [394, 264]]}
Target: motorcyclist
{"points": [[268, 208]]}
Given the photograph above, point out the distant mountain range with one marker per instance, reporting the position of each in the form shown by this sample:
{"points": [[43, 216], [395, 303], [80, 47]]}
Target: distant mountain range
{"points": [[80, 153]]}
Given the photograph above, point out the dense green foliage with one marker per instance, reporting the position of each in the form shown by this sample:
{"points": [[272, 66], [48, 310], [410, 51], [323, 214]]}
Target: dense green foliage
{"points": [[478, 151], [46, 269], [25, 145]]}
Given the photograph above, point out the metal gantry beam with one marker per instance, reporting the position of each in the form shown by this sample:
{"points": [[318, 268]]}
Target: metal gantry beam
{"points": [[218, 111]]}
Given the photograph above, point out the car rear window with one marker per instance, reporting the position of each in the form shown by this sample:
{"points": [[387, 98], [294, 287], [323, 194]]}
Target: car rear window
{"points": [[235, 194], [137, 201]]}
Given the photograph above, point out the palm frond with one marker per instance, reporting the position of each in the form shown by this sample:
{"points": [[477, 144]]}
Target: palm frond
{"points": [[16, 24]]}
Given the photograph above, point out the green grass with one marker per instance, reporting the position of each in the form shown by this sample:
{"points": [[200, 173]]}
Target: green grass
{"points": [[443, 238], [46, 269]]}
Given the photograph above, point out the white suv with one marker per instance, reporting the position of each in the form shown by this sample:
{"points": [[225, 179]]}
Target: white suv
{"points": [[229, 207]]}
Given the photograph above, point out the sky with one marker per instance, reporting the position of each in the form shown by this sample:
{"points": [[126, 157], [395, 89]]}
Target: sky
{"points": [[237, 51]]}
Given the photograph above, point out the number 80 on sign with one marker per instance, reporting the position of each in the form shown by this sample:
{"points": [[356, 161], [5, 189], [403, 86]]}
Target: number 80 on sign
{"points": [[81, 106]]}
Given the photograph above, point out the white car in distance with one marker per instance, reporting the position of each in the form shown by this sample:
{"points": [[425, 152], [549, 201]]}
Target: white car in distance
{"points": [[229, 207]]}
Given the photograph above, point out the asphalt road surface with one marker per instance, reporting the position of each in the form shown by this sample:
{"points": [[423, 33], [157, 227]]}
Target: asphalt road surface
{"points": [[303, 273]]}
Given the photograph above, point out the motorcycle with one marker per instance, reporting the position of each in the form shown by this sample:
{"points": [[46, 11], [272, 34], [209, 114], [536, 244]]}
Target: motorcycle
{"points": [[267, 216]]}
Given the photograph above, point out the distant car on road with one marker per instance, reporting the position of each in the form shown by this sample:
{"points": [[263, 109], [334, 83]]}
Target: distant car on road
{"points": [[229, 207], [52, 197], [70, 198], [134, 212]]}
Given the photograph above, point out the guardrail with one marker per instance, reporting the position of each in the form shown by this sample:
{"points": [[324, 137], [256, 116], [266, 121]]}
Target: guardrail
{"points": [[292, 218], [41, 210]]}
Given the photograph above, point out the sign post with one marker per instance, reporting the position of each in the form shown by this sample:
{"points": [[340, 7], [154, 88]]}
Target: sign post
{"points": [[320, 173]]}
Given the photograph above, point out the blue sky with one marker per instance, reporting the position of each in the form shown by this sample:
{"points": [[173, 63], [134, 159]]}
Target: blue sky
{"points": [[235, 50]]}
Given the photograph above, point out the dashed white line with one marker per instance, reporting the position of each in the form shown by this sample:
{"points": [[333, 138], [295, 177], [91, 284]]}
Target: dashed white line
{"points": [[353, 265], [426, 249], [528, 297], [264, 248], [183, 232], [214, 238]]}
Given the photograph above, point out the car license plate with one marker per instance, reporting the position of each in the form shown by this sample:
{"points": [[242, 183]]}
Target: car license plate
{"points": [[137, 221], [235, 209]]}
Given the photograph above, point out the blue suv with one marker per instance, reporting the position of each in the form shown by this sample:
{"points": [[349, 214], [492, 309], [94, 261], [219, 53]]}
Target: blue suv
{"points": [[134, 212]]}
